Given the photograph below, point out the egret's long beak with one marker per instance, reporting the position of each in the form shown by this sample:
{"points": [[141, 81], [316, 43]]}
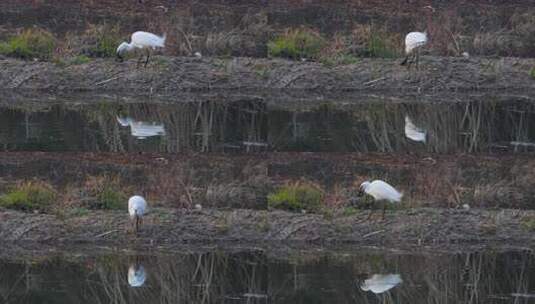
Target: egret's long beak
{"points": [[119, 58]]}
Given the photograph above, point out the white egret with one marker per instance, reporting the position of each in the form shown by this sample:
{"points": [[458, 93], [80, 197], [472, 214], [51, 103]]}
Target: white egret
{"points": [[381, 191], [413, 42], [136, 275], [413, 132], [137, 207], [141, 40], [141, 129], [379, 283]]}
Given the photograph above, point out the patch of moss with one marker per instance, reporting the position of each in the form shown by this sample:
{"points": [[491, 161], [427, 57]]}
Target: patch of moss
{"points": [[297, 44], [296, 197], [338, 59], [80, 59], [528, 223], [532, 73], [29, 196], [77, 60], [31, 43], [350, 211]]}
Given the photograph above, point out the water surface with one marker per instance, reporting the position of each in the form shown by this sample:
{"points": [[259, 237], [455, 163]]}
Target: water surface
{"points": [[219, 126], [257, 277]]}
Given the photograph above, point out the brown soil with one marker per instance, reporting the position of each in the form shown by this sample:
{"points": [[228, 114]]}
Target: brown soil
{"points": [[438, 78], [168, 228]]}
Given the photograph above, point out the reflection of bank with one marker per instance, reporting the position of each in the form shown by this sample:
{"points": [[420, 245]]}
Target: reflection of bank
{"points": [[136, 275], [379, 283], [142, 129]]}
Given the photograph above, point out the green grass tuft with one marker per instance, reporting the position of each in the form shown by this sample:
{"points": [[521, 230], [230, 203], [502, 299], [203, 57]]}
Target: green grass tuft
{"points": [[297, 44], [379, 46], [80, 59], [528, 223], [338, 59], [102, 40], [105, 192], [296, 197], [31, 44], [29, 196]]}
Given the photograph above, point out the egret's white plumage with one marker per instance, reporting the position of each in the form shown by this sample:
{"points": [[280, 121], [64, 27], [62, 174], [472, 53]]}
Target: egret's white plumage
{"points": [[381, 191], [137, 207], [142, 129], [379, 283], [136, 275], [141, 40], [414, 40], [413, 132]]}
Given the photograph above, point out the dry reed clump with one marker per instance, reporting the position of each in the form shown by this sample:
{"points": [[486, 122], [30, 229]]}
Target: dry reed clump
{"points": [[369, 40], [97, 192], [99, 40], [174, 187], [247, 38]]}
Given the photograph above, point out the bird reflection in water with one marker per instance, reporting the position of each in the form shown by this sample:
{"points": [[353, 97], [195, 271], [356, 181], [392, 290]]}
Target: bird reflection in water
{"points": [[136, 275], [141, 129], [379, 283], [413, 132]]}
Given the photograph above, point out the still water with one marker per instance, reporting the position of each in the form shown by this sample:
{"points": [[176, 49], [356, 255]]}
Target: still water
{"points": [[218, 126], [257, 277]]}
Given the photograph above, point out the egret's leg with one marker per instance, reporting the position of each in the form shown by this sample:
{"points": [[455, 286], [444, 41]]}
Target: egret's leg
{"points": [[139, 61], [411, 60], [369, 215], [418, 59], [137, 224], [405, 60], [384, 209], [148, 56]]}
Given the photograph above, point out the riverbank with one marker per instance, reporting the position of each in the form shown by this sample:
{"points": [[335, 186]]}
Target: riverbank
{"points": [[439, 229], [438, 78]]}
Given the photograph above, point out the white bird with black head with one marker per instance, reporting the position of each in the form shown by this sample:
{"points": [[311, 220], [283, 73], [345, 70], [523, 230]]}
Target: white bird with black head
{"points": [[381, 191], [141, 40], [137, 207]]}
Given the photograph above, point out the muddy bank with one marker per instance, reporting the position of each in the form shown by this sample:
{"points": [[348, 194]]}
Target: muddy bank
{"points": [[432, 228], [167, 76]]}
